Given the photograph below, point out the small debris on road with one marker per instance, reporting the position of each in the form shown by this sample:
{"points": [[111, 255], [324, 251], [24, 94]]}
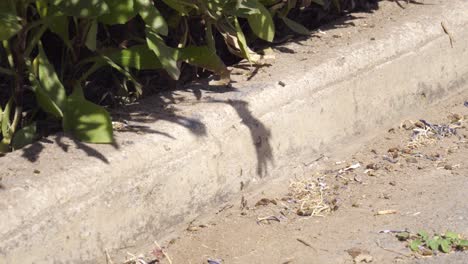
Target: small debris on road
{"points": [[304, 242], [268, 219], [389, 159], [193, 228], [360, 255], [407, 124], [373, 166], [349, 168], [388, 231], [214, 261], [358, 178], [265, 202], [386, 212]]}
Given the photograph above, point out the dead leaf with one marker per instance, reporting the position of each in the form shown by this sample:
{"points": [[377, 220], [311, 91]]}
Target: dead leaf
{"points": [[265, 201]]}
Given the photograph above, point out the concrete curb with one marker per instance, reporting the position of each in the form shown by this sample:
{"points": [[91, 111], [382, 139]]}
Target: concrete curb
{"points": [[70, 208]]}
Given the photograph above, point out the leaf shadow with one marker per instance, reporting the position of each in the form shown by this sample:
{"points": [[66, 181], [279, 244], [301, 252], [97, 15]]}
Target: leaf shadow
{"points": [[33, 151]]}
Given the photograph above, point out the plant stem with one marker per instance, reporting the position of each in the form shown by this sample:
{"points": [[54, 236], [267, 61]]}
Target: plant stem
{"points": [[20, 67]]}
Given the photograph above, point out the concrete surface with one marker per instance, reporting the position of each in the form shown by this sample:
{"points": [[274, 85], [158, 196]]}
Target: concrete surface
{"points": [[424, 194], [62, 201]]}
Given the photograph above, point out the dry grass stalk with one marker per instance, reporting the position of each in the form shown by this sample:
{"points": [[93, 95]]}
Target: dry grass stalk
{"points": [[309, 193]]}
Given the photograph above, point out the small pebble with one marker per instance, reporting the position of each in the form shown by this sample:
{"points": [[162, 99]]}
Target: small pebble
{"points": [[448, 167]]}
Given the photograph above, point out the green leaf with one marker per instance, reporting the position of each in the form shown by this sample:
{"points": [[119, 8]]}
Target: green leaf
{"points": [[125, 72], [6, 122], [56, 21], [319, 2], [139, 57], [120, 12], [262, 24], [296, 27], [204, 57], [59, 25], [43, 99], [463, 243], [432, 244], [451, 235], [181, 6], [5, 127], [9, 25], [403, 236], [41, 7], [414, 245], [49, 79], [166, 55], [445, 246], [49, 91], [242, 43], [24, 136], [83, 8], [152, 17], [210, 41], [424, 235], [91, 37], [243, 8], [86, 121]]}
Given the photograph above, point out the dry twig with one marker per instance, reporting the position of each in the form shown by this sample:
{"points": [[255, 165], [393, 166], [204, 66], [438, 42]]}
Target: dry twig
{"points": [[108, 257], [164, 252]]}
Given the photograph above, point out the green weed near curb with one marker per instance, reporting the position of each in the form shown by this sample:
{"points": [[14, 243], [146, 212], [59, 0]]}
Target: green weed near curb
{"points": [[424, 244]]}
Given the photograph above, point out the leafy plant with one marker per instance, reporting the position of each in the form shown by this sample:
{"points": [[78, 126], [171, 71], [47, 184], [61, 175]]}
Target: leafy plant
{"points": [[54, 48], [425, 244]]}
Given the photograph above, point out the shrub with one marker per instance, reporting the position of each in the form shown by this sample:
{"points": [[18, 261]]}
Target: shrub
{"points": [[50, 48]]}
